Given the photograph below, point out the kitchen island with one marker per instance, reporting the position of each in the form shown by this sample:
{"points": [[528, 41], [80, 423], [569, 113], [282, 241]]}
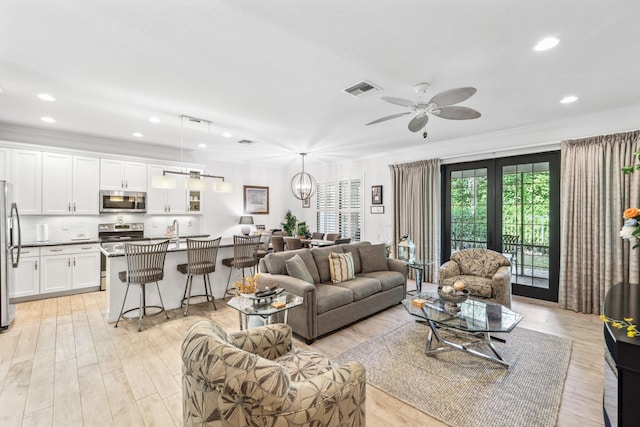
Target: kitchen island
{"points": [[171, 287]]}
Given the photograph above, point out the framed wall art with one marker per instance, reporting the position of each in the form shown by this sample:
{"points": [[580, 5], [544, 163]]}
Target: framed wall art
{"points": [[256, 199], [376, 194]]}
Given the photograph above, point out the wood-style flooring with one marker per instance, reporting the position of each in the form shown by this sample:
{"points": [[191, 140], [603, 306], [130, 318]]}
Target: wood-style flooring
{"points": [[61, 364]]}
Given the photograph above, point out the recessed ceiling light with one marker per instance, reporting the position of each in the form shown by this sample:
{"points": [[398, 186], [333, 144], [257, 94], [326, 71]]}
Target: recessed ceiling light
{"points": [[46, 97], [227, 135], [154, 120], [568, 99], [546, 44], [137, 134], [48, 119], [202, 145]]}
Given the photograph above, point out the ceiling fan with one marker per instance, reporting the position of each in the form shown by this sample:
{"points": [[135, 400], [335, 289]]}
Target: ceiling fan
{"points": [[440, 105]]}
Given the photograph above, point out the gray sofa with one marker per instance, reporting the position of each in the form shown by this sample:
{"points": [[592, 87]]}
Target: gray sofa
{"points": [[379, 283]]}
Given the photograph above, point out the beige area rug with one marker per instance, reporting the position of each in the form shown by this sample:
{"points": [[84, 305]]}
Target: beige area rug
{"points": [[462, 390]]}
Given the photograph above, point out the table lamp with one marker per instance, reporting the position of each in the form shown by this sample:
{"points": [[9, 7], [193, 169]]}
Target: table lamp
{"points": [[246, 219]]}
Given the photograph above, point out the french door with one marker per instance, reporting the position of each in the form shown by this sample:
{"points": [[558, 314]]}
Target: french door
{"points": [[510, 205]]}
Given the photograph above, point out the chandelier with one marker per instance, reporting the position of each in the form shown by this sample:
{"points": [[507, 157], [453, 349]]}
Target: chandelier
{"points": [[303, 185]]}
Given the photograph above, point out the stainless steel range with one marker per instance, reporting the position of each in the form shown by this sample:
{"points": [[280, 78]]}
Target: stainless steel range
{"points": [[114, 235]]}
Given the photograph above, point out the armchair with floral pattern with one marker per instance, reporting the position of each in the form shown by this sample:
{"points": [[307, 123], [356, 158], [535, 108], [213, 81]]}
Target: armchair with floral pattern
{"points": [[256, 378], [485, 273]]}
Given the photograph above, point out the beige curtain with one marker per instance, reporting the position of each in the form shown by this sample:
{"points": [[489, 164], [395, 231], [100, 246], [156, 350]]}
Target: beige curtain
{"points": [[594, 194], [416, 203]]}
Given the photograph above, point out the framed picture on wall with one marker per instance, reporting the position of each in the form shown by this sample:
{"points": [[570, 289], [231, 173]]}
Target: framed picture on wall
{"points": [[376, 194], [256, 199], [306, 203]]}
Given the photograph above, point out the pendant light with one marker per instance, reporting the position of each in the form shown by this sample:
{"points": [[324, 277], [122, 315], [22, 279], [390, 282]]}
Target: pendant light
{"points": [[196, 181], [303, 185]]}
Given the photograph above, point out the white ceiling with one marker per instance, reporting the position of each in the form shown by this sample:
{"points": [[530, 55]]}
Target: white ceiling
{"points": [[273, 71]]}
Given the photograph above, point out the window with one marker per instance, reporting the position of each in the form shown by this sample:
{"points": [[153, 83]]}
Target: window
{"points": [[339, 208]]}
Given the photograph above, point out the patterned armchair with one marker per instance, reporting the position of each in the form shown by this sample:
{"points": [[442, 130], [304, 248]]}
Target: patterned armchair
{"points": [[485, 273], [256, 378]]}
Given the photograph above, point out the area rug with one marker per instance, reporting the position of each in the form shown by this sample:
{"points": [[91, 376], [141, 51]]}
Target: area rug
{"points": [[462, 390]]}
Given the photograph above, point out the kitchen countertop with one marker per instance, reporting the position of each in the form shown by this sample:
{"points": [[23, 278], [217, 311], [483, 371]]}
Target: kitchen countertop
{"points": [[37, 244], [181, 245]]}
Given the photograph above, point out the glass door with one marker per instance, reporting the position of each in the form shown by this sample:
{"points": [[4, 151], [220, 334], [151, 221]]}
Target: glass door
{"points": [[512, 206]]}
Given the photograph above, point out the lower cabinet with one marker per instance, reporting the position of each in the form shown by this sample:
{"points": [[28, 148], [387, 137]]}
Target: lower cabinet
{"points": [[57, 269], [27, 274]]}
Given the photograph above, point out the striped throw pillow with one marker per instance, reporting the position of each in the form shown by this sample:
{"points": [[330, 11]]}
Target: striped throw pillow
{"points": [[341, 267]]}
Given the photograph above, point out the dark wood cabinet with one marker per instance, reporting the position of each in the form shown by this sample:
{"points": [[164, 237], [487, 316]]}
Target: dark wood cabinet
{"points": [[622, 358]]}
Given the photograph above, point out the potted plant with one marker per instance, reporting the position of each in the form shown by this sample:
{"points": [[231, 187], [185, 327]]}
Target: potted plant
{"points": [[303, 230], [289, 223]]}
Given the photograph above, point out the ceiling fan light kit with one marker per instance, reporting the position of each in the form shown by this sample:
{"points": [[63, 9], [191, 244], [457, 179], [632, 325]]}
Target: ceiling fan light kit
{"points": [[440, 105]]}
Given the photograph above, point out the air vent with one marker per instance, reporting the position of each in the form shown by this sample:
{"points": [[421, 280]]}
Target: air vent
{"points": [[247, 142], [361, 88]]}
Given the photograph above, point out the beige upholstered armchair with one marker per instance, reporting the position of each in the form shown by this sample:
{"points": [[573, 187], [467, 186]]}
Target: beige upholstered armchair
{"points": [[256, 378], [486, 274]]}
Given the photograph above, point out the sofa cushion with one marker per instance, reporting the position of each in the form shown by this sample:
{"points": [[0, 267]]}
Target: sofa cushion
{"points": [[477, 286], [275, 262], [362, 287], [321, 257], [373, 258], [353, 249], [388, 279], [296, 268], [341, 267], [332, 296]]}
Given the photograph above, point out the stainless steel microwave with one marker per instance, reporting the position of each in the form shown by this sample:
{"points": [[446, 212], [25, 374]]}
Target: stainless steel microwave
{"points": [[123, 201]]}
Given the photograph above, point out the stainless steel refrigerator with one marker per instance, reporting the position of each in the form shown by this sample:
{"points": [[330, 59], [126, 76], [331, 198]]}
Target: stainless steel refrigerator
{"points": [[10, 246]]}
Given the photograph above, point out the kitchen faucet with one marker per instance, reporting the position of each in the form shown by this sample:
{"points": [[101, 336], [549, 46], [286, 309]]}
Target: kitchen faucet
{"points": [[176, 230]]}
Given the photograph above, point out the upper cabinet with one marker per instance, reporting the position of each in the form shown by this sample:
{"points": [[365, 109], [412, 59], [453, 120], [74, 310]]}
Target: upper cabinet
{"points": [[5, 164], [166, 201], [70, 184], [123, 175], [26, 175]]}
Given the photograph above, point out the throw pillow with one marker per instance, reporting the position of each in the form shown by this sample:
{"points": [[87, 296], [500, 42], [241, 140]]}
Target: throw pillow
{"points": [[341, 267], [296, 268], [373, 258]]}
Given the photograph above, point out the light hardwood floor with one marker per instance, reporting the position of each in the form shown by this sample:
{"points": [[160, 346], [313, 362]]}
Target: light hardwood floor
{"points": [[61, 364]]}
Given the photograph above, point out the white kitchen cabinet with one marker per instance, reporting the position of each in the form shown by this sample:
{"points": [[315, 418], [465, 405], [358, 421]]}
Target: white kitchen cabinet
{"points": [[27, 274], [70, 184], [164, 201], [5, 164], [26, 172], [123, 175], [69, 267]]}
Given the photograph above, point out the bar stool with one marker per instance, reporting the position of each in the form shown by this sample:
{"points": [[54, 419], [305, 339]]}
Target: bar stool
{"points": [[245, 255], [201, 260], [145, 264], [264, 246]]}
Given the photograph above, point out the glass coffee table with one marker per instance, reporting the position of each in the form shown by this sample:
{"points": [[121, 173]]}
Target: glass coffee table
{"points": [[262, 308], [476, 320]]}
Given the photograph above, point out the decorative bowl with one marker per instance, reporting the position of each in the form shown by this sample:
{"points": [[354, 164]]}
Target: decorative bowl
{"points": [[453, 299]]}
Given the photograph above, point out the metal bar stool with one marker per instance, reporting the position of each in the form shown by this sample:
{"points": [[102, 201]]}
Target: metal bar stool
{"points": [[145, 264], [244, 256], [201, 260]]}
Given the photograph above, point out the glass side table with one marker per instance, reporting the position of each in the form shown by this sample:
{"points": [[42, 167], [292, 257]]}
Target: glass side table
{"points": [[418, 267], [248, 306]]}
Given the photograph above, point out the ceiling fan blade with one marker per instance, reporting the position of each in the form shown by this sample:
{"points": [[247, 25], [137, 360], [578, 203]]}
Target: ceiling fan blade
{"points": [[399, 101], [457, 113], [453, 96], [384, 119], [418, 122]]}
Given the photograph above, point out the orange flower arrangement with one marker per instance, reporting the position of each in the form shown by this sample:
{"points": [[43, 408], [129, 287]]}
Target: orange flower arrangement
{"points": [[630, 229]]}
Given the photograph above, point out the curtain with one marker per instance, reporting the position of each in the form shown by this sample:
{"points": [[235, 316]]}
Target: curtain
{"points": [[594, 194], [416, 203]]}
